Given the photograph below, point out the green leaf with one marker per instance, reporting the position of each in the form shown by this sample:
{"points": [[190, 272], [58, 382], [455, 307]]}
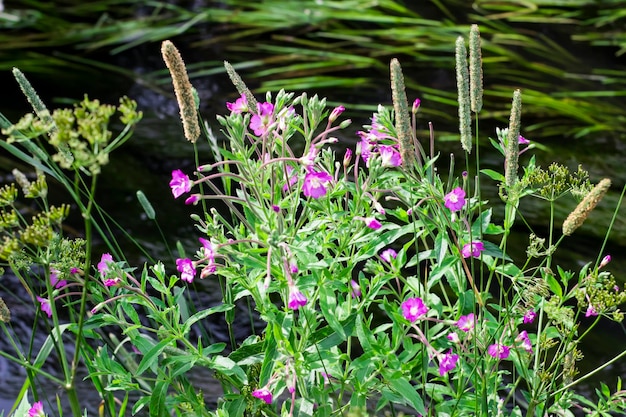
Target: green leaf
{"points": [[157, 399], [228, 367], [236, 407], [151, 357], [496, 176], [158, 285], [481, 223], [139, 405], [47, 346], [553, 284], [328, 304], [326, 338], [247, 351], [409, 393], [204, 313]]}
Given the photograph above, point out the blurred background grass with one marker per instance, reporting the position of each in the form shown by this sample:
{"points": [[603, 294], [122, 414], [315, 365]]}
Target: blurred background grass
{"points": [[566, 55]]}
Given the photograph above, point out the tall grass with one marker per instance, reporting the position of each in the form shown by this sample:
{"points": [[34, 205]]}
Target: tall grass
{"points": [[543, 45]]}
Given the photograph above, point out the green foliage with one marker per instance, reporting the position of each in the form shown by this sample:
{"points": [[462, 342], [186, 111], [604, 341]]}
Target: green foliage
{"points": [[374, 284]]}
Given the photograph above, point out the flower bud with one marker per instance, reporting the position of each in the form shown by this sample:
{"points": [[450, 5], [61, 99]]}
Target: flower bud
{"points": [[335, 113], [416, 106]]}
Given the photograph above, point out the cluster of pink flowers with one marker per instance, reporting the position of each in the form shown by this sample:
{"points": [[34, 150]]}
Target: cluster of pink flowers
{"points": [[370, 144], [57, 284], [108, 271], [414, 309], [187, 267]]}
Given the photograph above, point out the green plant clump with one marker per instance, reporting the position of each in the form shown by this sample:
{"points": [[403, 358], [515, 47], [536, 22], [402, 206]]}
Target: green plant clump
{"points": [[374, 284]]}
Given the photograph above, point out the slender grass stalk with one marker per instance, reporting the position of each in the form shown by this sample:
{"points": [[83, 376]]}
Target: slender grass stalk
{"points": [[241, 87], [462, 83], [33, 98], [475, 70], [512, 145], [183, 89], [577, 217], [401, 109]]}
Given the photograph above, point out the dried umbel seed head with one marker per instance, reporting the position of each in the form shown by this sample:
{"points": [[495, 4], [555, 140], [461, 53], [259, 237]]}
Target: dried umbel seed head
{"points": [[584, 208], [5, 314]]}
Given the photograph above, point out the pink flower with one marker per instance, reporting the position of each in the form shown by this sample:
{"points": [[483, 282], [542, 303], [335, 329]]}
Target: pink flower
{"points": [[54, 279], [106, 272], [529, 317], [364, 148], [36, 410], [45, 305], [263, 394], [309, 159], [390, 157], [499, 351], [208, 251], [180, 183], [453, 337], [239, 106], [591, 311], [192, 199], [296, 298], [186, 268], [413, 308], [110, 282], [525, 341], [466, 323], [208, 248], [260, 122], [472, 249], [335, 113], [356, 289], [370, 222], [455, 199], [388, 254], [522, 140], [447, 362], [103, 265], [315, 184]]}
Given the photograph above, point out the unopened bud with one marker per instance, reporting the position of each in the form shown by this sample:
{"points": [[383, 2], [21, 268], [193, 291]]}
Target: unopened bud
{"points": [[605, 261], [335, 113], [347, 157], [416, 106]]}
